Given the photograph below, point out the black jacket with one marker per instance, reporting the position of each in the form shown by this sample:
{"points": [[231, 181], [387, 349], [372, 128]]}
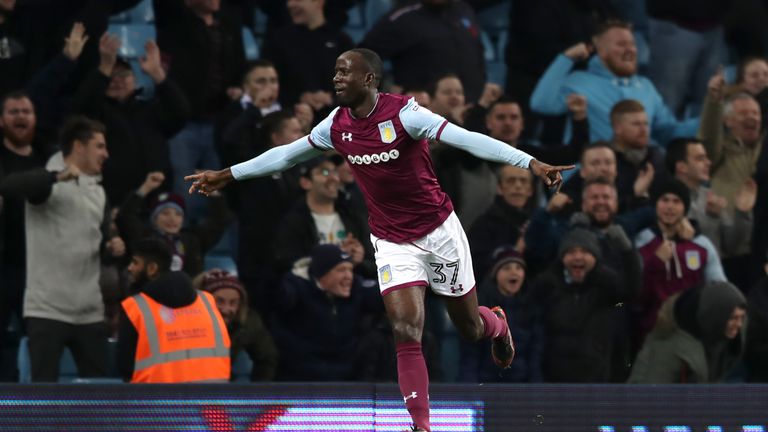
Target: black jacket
{"points": [[425, 43], [195, 241], [756, 356], [137, 130], [578, 323], [297, 235], [305, 58], [500, 225], [203, 72]]}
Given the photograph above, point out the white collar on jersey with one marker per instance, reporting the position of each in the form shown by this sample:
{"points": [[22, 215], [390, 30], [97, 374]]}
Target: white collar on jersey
{"points": [[372, 109]]}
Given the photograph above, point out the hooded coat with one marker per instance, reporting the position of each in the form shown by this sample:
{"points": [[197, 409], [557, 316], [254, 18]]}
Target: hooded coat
{"points": [[688, 343]]}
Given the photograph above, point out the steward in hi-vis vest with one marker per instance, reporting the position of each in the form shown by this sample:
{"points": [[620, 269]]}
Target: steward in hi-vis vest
{"points": [[187, 344], [169, 332]]}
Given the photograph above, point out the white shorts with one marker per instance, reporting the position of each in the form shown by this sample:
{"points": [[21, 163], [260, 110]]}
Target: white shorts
{"points": [[440, 260]]}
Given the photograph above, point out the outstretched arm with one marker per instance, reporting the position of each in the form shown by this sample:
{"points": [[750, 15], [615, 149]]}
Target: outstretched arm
{"points": [[272, 161], [494, 150]]}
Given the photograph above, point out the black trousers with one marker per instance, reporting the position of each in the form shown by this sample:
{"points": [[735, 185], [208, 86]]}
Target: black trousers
{"points": [[47, 339]]}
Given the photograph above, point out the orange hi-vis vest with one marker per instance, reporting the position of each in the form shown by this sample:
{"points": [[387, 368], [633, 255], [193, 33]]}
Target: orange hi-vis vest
{"points": [[179, 345]]}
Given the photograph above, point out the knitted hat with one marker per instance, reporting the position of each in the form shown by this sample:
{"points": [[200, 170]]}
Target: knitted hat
{"points": [[324, 258], [675, 187], [503, 255], [215, 280], [580, 237], [165, 200]]}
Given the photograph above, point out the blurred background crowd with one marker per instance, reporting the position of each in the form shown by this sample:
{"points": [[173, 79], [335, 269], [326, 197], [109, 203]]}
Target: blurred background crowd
{"points": [[648, 266]]}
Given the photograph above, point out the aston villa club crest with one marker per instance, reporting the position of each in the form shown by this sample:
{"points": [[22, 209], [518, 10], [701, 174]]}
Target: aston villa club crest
{"points": [[385, 274], [387, 132], [693, 260]]}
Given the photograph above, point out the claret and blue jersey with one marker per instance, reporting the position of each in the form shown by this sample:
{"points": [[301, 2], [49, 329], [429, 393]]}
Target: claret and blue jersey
{"points": [[388, 153]]}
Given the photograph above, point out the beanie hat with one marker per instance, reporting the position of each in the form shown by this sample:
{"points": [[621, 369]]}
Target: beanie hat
{"points": [[215, 280], [675, 187], [163, 201], [580, 237], [504, 255], [324, 258]]}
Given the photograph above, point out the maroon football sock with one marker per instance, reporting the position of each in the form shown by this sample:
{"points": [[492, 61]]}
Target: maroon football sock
{"points": [[414, 382], [494, 326]]}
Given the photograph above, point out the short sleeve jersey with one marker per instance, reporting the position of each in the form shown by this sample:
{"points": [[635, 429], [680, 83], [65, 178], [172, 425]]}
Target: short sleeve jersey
{"points": [[388, 153]]}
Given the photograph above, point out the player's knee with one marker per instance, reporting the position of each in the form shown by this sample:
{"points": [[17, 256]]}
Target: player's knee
{"points": [[405, 331]]}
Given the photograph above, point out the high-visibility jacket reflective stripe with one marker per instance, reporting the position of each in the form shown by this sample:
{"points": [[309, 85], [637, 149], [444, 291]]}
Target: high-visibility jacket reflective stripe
{"points": [[156, 361]]}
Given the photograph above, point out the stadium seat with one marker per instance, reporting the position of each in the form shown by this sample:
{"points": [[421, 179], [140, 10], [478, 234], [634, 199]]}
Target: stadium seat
{"points": [[495, 19], [133, 37], [356, 16], [496, 71], [643, 50], [67, 367], [252, 50], [489, 49], [375, 9], [259, 22], [356, 33], [222, 262], [241, 367]]}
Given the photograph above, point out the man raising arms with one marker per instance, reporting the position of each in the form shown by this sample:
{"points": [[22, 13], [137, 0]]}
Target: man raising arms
{"points": [[417, 238]]}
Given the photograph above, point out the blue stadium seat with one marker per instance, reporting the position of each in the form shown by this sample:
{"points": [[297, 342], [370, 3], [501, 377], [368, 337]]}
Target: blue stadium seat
{"points": [[489, 50], [643, 49], [259, 22], [375, 9], [501, 45], [241, 367], [496, 72], [222, 262], [67, 367], [133, 37], [495, 18], [252, 50], [356, 16], [356, 33]]}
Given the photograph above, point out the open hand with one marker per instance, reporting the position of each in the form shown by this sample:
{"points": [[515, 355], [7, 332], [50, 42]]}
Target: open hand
{"points": [[74, 43]]}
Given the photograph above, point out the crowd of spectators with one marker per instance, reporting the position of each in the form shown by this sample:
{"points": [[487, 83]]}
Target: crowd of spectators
{"points": [[649, 266]]}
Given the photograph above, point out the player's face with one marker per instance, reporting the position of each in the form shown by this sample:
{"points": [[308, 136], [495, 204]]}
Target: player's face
{"points": [[505, 122], [744, 120], [755, 76], [228, 303], [18, 121], [515, 186], [509, 278], [616, 48], [632, 130], [262, 85], [670, 209], [349, 80], [735, 323], [697, 164], [578, 263], [600, 203], [598, 162], [338, 281]]}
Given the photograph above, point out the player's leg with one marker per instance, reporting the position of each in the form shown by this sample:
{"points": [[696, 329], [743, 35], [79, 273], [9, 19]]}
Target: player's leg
{"points": [[475, 322], [405, 310], [453, 278]]}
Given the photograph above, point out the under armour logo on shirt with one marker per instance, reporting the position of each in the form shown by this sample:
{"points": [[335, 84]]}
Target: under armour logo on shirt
{"points": [[346, 136], [410, 396]]}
